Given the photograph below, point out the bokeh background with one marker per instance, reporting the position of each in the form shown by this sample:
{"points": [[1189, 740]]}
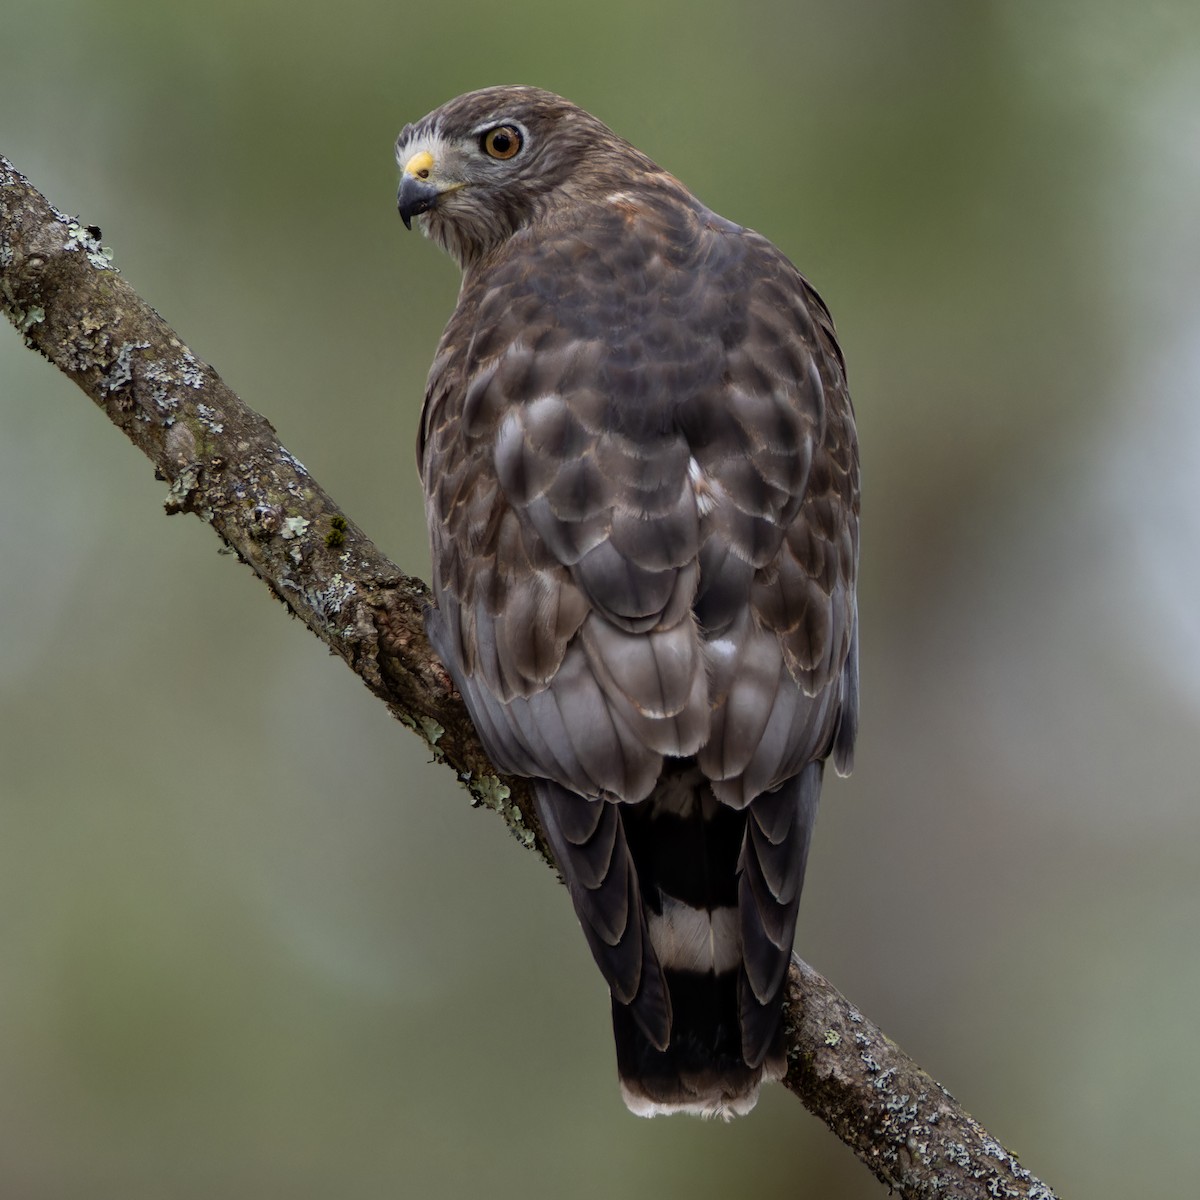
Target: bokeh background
{"points": [[253, 945]]}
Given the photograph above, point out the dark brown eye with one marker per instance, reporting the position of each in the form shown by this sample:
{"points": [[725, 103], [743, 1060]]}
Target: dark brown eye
{"points": [[502, 142]]}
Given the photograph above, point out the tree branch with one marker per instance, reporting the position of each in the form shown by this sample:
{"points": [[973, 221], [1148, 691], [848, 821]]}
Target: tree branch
{"points": [[225, 464]]}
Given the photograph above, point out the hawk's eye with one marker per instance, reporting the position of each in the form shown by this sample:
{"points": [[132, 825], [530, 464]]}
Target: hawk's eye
{"points": [[502, 142]]}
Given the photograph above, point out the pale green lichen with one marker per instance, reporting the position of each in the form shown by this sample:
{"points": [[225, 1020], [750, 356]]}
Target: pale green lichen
{"points": [[87, 239], [120, 374], [294, 527], [286, 456], [160, 379], [832, 1037], [432, 732], [492, 792], [26, 320], [182, 489], [191, 373], [330, 601], [208, 417]]}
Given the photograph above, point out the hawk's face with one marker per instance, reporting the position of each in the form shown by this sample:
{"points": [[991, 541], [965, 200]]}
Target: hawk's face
{"points": [[488, 163]]}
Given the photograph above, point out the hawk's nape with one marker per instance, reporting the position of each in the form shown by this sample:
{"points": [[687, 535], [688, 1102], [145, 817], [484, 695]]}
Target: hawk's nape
{"points": [[641, 475]]}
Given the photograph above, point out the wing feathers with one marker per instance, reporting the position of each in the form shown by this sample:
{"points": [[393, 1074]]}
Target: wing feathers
{"points": [[778, 832], [608, 903]]}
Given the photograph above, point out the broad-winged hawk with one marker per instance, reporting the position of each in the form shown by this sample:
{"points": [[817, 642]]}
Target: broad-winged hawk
{"points": [[641, 471]]}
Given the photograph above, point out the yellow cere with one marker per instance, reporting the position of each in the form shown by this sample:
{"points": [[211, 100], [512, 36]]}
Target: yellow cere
{"points": [[419, 165]]}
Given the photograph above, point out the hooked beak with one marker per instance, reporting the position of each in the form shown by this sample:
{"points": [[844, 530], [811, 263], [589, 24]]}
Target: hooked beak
{"points": [[417, 194], [415, 197]]}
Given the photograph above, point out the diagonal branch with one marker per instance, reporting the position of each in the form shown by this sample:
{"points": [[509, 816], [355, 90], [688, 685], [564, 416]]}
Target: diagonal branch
{"points": [[224, 463]]}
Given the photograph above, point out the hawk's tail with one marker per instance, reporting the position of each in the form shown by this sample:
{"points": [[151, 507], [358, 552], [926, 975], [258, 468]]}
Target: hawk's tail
{"points": [[714, 892], [703, 1070]]}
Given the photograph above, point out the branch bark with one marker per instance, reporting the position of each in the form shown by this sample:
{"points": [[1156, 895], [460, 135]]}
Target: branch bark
{"points": [[225, 464]]}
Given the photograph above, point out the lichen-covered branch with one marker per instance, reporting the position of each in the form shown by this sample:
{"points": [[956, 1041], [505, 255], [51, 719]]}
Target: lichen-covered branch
{"points": [[224, 463]]}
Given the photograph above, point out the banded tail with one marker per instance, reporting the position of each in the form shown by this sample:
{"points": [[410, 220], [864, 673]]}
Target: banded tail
{"points": [[689, 907]]}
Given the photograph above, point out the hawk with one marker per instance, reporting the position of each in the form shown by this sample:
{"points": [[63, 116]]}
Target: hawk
{"points": [[641, 477]]}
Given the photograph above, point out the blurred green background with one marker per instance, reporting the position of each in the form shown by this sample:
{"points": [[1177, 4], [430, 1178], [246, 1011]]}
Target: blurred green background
{"points": [[253, 945]]}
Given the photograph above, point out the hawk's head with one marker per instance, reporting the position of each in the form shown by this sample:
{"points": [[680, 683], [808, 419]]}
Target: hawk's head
{"points": [[485, 164]]}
